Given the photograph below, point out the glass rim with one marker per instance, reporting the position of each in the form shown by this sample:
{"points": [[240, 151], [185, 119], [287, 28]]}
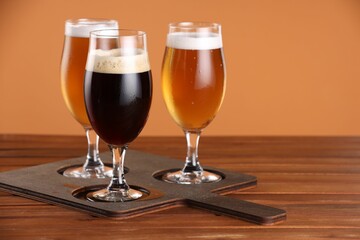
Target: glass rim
{"points": [[135, 33], [194, 25]]}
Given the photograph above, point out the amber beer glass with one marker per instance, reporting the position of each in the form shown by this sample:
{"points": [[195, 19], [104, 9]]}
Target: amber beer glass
{"points": [[193, 85], [73, 63]]}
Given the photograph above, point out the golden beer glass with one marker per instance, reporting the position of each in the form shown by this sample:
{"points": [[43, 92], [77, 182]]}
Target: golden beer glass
{"points": [[73, 63], [193, 86]]}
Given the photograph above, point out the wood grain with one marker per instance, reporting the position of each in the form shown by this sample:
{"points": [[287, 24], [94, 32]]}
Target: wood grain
{"points": [[315, 179]]}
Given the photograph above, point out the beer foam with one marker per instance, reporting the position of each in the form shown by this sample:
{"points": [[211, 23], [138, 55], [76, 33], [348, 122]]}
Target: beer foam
{"points": [[118, 61], [194, 40], [83, 27]]}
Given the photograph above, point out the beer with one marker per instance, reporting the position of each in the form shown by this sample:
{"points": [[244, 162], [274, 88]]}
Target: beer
{"points": [[76, 44], [118, 92], [73, 63], [193, 85], [193, 78]]}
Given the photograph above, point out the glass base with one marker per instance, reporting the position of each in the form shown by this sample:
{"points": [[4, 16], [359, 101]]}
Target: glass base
{"points": [[114, 196], [96, 172], [181, 177]]}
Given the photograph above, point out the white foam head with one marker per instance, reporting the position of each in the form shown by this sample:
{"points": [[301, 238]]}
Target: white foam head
{"points": [[118, 61], [83, 27], [194, 40]]}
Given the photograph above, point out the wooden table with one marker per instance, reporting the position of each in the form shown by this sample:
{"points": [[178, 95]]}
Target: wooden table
{"points": [[315, 179]]}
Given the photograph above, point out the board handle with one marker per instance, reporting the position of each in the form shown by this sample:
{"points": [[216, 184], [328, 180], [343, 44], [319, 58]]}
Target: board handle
{"points": [[248, 211]]}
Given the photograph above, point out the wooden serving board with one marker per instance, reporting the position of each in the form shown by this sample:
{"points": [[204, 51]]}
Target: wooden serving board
{"points": [[45, 183]]}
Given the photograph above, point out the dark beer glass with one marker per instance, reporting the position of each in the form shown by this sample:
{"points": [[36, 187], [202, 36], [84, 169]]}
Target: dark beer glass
{"points": [[76, 44], [193, 86], [118, 94]]}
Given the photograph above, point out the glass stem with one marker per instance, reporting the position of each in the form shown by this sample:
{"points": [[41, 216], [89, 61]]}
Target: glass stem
{"points": [[118, 181], [92, 158], [192, 161]]}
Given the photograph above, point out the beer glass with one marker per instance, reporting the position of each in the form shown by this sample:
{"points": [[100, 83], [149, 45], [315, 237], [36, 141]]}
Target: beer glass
{"points": [[193, 86], [118, 94], [72, 83]]}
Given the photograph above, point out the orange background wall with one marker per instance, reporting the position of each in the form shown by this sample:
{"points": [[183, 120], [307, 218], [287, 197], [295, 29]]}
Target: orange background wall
{"points": [[293, 66]]}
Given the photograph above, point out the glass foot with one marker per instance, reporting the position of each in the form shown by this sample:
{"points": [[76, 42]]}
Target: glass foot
{"points": [[96, 172], [114, 196], [181, 177]]}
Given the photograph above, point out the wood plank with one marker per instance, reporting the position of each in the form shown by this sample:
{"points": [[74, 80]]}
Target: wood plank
{"points": [[315, 179]]}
